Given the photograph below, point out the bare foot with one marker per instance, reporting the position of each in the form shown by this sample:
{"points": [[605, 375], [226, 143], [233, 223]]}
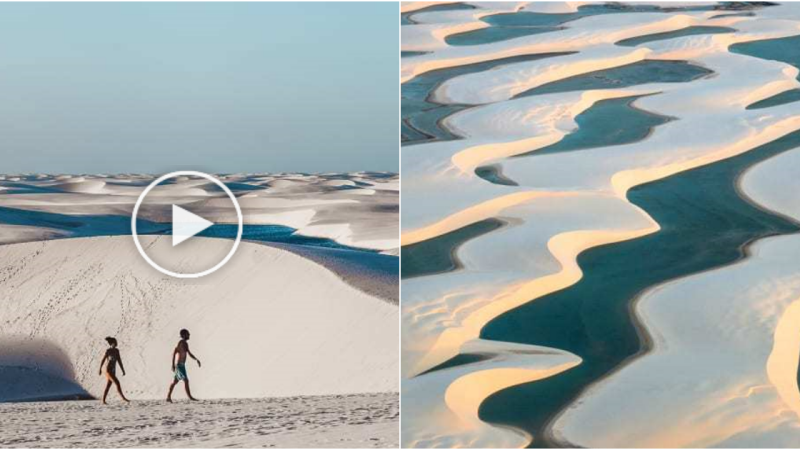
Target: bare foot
{"points": [[193, 399]]}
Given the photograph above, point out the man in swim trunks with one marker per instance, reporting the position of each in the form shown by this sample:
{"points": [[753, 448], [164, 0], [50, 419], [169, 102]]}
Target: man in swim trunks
{"points": [[113, 357], [179, 369]]}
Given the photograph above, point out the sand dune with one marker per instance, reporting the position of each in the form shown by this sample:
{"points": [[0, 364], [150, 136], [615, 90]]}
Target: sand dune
{"points": [[498, 365], [298, 337], [260, 326], [11, 234], [357, 209], [773, 184], [746, 316], [718, 376], [443, 314]]}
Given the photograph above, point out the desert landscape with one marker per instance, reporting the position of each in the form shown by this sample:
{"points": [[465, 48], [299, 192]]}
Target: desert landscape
{"points": [[599, 224], [199, 225], [297, 333]]}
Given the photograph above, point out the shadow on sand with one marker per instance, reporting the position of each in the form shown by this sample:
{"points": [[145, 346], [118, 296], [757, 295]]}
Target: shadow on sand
{"points": [[33, 369]]}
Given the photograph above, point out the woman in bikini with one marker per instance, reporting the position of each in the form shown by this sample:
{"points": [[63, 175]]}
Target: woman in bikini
{"points": [[113, 357]]}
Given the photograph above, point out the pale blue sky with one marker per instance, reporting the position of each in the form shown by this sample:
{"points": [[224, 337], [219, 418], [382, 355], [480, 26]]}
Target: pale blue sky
{"points": [[219, 87]]}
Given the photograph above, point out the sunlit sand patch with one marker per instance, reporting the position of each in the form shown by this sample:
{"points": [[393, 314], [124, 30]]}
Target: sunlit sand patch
{"points": [[455, 421]]}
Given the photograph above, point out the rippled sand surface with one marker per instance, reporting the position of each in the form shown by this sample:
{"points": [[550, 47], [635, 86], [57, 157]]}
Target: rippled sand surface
{"points": [[351, 421]]}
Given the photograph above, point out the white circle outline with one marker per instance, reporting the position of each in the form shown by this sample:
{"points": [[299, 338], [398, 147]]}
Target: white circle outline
{"points": [[181, 173]]}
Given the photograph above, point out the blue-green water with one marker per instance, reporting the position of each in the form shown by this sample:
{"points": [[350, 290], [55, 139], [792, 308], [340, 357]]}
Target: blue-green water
{"points": [[493, 174], [785, 50], [741, 14], [642, 72], [506, 26], [459, 360], [496, 34], [688, 31], [232, 185], [406, 19], [705, 224], [606, 123], [119, 225], [421, 117], [437, 255], [80, 226], [23, 188], [274, 233]]}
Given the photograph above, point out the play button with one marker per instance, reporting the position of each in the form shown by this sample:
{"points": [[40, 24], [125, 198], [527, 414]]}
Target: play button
{"points": [[186, 224]]}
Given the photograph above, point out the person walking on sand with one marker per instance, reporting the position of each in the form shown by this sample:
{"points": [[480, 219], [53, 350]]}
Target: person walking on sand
{"points": [[179, 369], [113, 357]]}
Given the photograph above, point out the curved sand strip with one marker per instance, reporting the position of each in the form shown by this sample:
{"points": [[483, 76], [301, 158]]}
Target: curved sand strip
{"points": [[774, 184], [440, 313], [464, 387], [601, 30]]}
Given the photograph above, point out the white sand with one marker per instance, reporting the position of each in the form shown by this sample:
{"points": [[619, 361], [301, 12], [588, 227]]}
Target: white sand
{"points": [[464, 387], [353, 421], [773, 184], [372, 273], [735, 328], [441, 313], [723, 372], [11, 234], [266, 324], [277, 322], [444, 313]]}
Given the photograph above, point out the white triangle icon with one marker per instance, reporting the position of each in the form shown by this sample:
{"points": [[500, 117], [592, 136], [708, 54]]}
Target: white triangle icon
{"points": [[186, 224]]}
